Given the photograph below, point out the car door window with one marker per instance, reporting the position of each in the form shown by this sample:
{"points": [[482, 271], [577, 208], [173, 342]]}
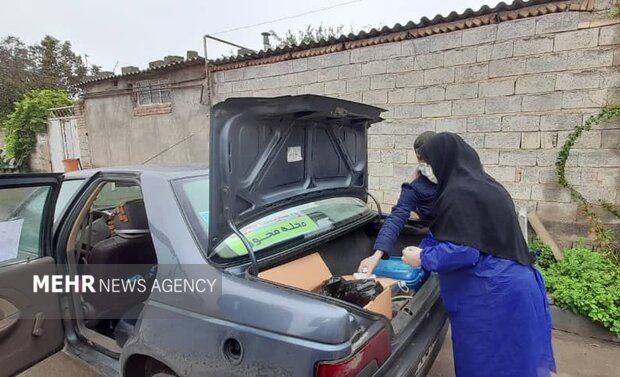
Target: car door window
{"points": [[21, 218], [116, 193], [67, 191], [97, 227]]}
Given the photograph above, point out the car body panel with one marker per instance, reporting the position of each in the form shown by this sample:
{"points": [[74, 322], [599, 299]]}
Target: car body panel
{"points": [[267, 153], [30, 324], [282, 331]]}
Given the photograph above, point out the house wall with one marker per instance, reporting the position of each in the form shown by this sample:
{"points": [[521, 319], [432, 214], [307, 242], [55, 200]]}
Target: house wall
{"points": [[513, 90], [121, 133], [80, 114], [40, 161]]}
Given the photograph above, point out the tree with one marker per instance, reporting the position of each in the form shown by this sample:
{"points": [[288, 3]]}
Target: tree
{"points": [[50, 64], [17, 73], [57, 65], [308, 35], [28, 118]]}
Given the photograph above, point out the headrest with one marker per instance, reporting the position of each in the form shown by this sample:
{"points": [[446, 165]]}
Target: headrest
{"points": [[130, 219]]}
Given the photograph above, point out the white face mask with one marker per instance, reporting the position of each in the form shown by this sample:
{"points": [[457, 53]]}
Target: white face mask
{"points": [[427, 171]]}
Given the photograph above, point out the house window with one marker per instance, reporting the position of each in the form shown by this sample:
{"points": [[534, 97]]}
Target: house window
{"points": [[152, 92]]}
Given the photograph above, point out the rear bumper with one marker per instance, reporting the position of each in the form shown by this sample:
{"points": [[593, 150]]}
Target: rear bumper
{"points": [[419, 345]]}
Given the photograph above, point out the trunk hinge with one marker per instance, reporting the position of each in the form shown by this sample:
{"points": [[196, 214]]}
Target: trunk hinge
{"points": [[376, 203], [244, 240]]}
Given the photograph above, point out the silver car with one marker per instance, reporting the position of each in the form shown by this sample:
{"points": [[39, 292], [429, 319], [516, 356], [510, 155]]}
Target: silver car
{"points": [[273, 161]]}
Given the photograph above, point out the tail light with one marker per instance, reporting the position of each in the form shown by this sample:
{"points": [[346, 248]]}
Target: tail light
{"points": [[378, 349]]}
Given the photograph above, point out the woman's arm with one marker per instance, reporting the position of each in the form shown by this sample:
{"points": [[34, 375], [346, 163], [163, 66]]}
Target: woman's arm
{"points": [[393, 225], [446, 256], [395, 222]]}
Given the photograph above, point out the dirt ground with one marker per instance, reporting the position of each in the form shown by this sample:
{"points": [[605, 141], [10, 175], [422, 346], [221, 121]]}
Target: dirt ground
{"points": [[576, 357]]}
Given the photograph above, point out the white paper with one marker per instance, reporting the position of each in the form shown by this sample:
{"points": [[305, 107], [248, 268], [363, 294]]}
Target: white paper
{"points": [[10, 232], [293, 154]]}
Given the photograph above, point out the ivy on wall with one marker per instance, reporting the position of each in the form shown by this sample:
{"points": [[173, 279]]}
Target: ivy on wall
{"points": [[602, 236], [29, 118]]}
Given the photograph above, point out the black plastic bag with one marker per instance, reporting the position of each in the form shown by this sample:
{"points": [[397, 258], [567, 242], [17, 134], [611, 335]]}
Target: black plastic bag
{"points": [[357, 292]]}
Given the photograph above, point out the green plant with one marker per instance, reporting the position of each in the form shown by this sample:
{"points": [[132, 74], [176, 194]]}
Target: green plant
{"points": [[7, 165], [310, 34], [602, 236], [587, 283], [611, 208], [49, 64], [28, 118], [544, 257]]}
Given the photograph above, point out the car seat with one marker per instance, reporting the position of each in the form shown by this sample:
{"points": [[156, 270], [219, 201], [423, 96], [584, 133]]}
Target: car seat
{"points": [[128, 254]]}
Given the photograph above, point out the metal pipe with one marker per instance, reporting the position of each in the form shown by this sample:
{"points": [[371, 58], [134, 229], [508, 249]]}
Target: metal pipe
{"points": [[266, 44], [207, 76], [226, 42]]}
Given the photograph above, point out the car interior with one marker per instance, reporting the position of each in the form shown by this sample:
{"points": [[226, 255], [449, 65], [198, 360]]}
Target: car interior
{"points": [[113, 242]]}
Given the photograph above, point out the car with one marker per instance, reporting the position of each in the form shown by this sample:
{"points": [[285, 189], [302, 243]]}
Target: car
{"points": [[295, 163]]}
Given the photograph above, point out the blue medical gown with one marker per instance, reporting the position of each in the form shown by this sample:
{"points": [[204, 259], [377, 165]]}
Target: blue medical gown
{"points": [[501, 324]]}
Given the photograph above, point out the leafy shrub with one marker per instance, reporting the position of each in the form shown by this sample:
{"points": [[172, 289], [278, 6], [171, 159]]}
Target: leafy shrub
{"points": [[587, 283], [30, 117], [544, 257]]}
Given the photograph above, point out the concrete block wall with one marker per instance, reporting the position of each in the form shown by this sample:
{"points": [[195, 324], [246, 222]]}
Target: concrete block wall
{"points": [[40, 159], [121, 133], [78, 111], [513, 90]]}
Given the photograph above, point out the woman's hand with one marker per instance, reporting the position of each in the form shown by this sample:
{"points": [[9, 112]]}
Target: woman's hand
{"points": [[416, 174], [367, 265], [411, 256]]}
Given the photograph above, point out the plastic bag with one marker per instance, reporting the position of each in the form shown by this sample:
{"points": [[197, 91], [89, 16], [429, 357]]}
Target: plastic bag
{"points": [[357, 292]]}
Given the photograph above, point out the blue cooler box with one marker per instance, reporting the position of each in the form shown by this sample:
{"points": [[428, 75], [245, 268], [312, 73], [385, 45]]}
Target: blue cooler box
{"points": [[395, 268]]}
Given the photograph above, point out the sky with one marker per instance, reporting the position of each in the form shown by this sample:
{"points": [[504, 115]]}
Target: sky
{"points": [[117, 33]]}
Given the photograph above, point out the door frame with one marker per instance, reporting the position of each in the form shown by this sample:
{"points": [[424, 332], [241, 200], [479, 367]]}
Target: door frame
{"points": [[34, 332], [76, 332]]}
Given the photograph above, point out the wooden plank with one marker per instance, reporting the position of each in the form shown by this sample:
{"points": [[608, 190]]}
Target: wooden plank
{"points": [[544, 235]]}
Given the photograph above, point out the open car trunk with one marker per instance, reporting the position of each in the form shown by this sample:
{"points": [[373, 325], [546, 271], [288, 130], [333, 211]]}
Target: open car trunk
{"points": [[341, 257]]}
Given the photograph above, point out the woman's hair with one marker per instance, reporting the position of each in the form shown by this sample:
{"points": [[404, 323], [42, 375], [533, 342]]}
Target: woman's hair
{"points": [[423, 138]]}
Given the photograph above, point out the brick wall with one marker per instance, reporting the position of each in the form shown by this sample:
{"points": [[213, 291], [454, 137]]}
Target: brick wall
{"points": [[513, 90]]}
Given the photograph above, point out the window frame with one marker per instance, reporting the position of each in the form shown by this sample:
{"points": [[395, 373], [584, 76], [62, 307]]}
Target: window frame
{"points": [[152, 87]]}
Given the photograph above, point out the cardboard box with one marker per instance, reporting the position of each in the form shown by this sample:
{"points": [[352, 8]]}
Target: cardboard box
{"points": [[309, 272]]}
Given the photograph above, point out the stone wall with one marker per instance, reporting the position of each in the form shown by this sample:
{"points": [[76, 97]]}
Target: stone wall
{"points": [[514, 90]]}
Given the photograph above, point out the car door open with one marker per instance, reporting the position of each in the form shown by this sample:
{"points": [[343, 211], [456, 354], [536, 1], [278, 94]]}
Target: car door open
{"points": [[30, 322]]}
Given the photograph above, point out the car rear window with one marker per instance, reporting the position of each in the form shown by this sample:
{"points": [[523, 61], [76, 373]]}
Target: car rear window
{"points": [[289, 226]]}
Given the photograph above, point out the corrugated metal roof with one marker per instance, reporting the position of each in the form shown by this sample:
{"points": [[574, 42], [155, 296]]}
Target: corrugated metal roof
{"points": [[425, 27], [163, 67]]}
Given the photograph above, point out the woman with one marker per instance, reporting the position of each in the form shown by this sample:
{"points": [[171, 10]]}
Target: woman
{"points": [[416, 196], [494, 296]]}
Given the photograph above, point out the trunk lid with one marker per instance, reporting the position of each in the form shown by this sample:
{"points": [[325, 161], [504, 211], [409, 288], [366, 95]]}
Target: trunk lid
{"points": [[267, 153]]}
